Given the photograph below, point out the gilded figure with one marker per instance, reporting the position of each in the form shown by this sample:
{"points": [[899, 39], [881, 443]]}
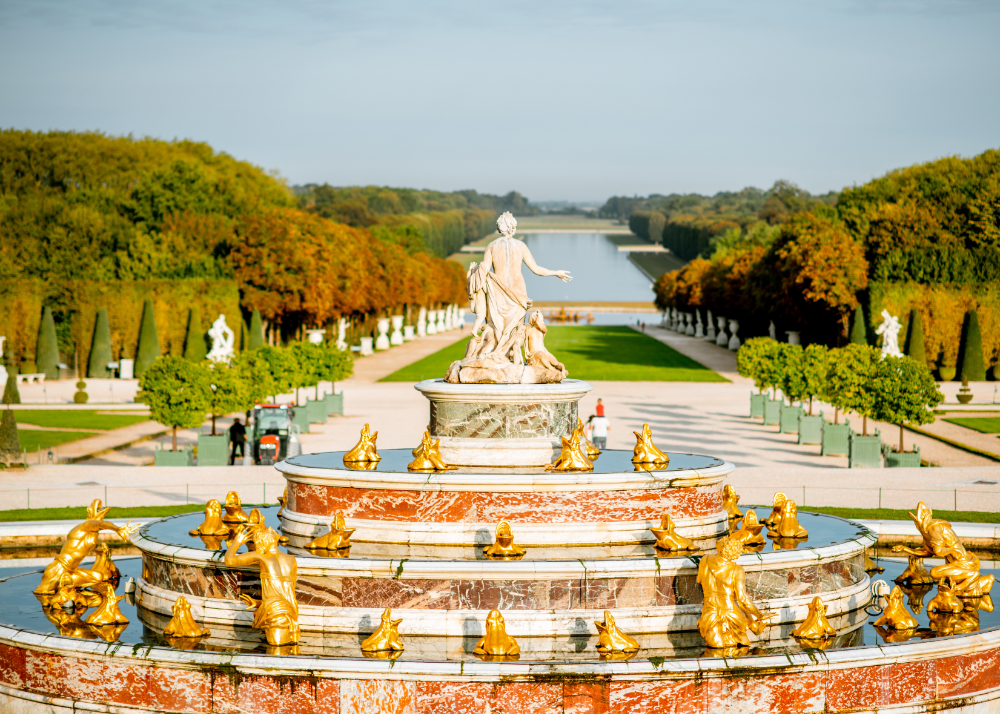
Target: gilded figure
{"points": [[338, 538], [183, 624], [277, 612], [589, 449], [816, 626], [749, 531], [364, 451], [787, 524], [235, 515], [730, 502], [386, 637], [107, 612], [212, 525], [915, 573], [503, 547], [727, 612], [778, 501], [896, 616], [946, 600], [572, 457], [71, 593], [645, 451], [80, 542], [103, 565], [496, 642], [940, 541], [428, 456], [611, 640], [667, 537]]}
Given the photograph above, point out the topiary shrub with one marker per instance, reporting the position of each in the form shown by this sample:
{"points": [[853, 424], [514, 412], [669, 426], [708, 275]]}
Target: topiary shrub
{"points": [[859, 335], [149, 344], [195, 348], [100, 348], [256, 331], [47, 348], [915, 339], [11, 394], [80, 397], [973, 365], [10, 443]]}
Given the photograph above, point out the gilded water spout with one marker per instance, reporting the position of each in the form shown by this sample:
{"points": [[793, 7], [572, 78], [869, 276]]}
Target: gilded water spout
{"points": [[589, 449], [282, 501], [338, 538], [778, 501], [183, 624], [572, 457], [107, 612], [277, 612], [496, 642], [730, 501], [749, 531], [103, 565], [667, 537], [645, 451], [503, 547], [896, 616], [212, 525], [428, 456], [386, 637], [787, 525], [816, 626], [611, 640], [235, 515], [364, 451]]}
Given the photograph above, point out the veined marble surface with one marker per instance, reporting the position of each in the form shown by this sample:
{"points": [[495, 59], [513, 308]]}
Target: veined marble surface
{"points": [[484, 420]]}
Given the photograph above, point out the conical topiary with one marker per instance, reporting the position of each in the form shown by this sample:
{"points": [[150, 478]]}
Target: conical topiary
{"points": [[149, 344], [256, 331], [11, 394], [47, 348], [243, 343], [858, 334], [194, 341], [973, 366], [10, 444], [915, 339], [100, 348]]}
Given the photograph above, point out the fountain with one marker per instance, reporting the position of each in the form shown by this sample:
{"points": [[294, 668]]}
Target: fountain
{"points": [[504, 564]]}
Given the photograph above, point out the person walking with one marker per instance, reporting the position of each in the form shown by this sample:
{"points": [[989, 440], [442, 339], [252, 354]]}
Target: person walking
{"points": [[238, 438], [599, 426]]}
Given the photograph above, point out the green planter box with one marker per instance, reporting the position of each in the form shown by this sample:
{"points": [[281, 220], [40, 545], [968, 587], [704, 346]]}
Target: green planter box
{"points": [[757, 405], [772, 411], [182, 457], [335, 404], [788, 422], [213, 450], [835, 439], [906, 460], [864, 451], [301, 420], [811, 429], [316, 411]]}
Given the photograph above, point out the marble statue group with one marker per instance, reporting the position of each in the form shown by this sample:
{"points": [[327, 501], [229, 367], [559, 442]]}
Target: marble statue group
{"points": [[503, 348]]}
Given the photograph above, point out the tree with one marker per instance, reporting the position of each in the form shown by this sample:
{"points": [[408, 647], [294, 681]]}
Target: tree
{"points": [[10, 443], [815, 363], [851, 380], [195, 348], [47, 349], [792, 382], [100, 348], [906, 393], [177, 392], [973, 366], [11, 394], [255, 372], [334, 366], [148, 349], [229, 391], [283, 366], [759, 359], [256, 331], [859, 335], [915, 339], [308, 358]]}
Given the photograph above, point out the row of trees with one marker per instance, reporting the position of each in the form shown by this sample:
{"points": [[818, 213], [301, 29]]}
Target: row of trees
{"points": [[181, 392], [896, 390]]}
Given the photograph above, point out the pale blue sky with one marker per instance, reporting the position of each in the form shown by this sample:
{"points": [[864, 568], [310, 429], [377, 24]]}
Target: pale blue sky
{"points": [[557, 100]]}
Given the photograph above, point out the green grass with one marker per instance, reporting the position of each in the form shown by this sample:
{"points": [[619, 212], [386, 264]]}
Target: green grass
{"points": [[656, 264], [985, 425], [891, 514], [592, 352], [79, 513], [78, 419], [32, 440]]}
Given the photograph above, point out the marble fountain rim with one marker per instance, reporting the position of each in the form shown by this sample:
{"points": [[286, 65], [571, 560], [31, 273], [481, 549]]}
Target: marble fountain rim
{"points": [[453, 533], [569, 390], [439, 622], [509, 483]]}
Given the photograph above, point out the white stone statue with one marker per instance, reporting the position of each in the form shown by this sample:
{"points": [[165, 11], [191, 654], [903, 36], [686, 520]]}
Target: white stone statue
{"points": [[710, 327], [499, 297], [422, 322], [734, 340], [689, 322], [222, 341], [722, 339], [382, 341], [698, 330], [342, 334], [396, 338], [441, 327], [889, 329], [432, 322], [771, 331]]}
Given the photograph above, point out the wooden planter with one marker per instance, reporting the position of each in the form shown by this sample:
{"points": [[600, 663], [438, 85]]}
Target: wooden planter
{"points": [[335, 404], [772, 411], [835, 439], [788, 422], [811, 429], [905, 460], [864, 451], [757, 405], [301, 419], [316, 411], [181, 457]]}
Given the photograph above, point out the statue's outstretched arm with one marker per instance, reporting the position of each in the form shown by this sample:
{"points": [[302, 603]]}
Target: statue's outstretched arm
{"points": [[535, 268]]}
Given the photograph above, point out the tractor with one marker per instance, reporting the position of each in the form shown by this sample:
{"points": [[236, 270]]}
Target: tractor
{"points": [[273, 435]]}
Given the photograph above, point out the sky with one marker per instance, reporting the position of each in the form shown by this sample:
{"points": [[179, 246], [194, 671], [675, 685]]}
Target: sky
{"points": [[558, 100]]}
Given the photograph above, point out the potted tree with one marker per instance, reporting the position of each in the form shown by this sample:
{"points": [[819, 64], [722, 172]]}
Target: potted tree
{"points": [[177, 392], [815, 361], [907, 395], [228, 393], [335, 365], [792, 386], [844, 389], [310, 360], [749, 360], [854, 380]]}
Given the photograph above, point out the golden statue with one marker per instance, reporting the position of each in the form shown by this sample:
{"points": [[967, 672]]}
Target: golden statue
{"points": [[68, 622], [503, 547], [787, 525], [572, 457], [645, 451], [80, 542], [778, 501], [364, 451], [386, 637], [283, 501], [610, 639], [946, 600], [235, 515], [749, 531], [730, 499], [428, 456], [213, 525], [940, 541], [589, 449], [896, 616], [338, 538], [915, 573], [103, 565], [496, 642], [815, 626], [277, 613], [107, 612], [72, 594], [727, 612], [871, 566], [667, 537], [182, 624]]}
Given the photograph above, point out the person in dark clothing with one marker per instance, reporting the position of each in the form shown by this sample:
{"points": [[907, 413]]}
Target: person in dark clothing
{"points": [[238, 438]]}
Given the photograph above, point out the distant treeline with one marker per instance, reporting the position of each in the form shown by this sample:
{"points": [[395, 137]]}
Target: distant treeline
{"points": [[438, 222]]}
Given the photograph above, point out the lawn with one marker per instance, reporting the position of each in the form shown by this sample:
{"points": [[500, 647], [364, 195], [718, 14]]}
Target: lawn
{"points": [[78, 419], [612, 353], [79, 513], [32, 440], [985, 425], [890, 514]]}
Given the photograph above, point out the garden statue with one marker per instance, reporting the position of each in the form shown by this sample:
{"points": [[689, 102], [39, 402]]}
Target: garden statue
{"points": [[610, 639], [730, 502], [496, 642], [80, 542], [103, 565], [699, 331], [342, 334], [771, 331], [727, 612], [428, 456], [497, 286], [749, 531], [667, 537], [572, 457], [503, 547], [734, 340], [645, 451], [182, 624], [710, 327], [889, 329], [107, 612], [722, 339], [589, 449], [382, 341], [386, 637], [546, 367], [364, 451], [235, 514], [896, 616], [787, 524], [945, 600], [223, 339], [338, 538], [212, 525], [277, 612], [815, 626]]}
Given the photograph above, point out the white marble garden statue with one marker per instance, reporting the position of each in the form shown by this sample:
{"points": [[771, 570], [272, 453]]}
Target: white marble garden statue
{"points": [[889, 329], [499, 298], [222, 341]]}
